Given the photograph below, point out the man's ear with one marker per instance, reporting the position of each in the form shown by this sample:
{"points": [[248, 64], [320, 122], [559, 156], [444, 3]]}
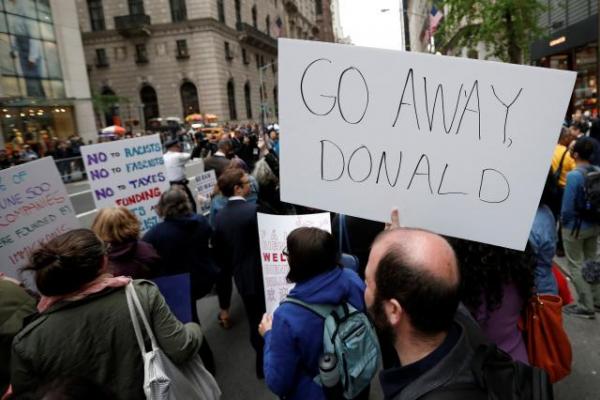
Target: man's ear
{"points": [[393, 311]]}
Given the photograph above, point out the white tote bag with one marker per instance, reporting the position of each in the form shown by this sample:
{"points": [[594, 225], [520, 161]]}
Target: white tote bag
{"points": [[164, 380]]}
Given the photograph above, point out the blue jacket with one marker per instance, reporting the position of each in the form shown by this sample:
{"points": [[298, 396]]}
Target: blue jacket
{"points": [[573, 199], [542, 239], [295, 343]]}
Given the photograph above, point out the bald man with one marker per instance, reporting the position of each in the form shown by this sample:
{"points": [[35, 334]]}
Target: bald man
{"points": [[412, 295]]}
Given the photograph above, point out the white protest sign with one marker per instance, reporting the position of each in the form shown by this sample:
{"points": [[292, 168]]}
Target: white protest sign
{"points": [[205, 185], [128, 173], [34, 208], [462, 147], [273, 231]]}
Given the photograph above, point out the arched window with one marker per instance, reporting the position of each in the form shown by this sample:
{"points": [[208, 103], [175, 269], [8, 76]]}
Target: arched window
{"points": [[110, 100], [189, 99], [149, 102], [268, 24], [248, 98], [221, 11], [254, 17], [276, 100], [231, 100], [238, 12]]}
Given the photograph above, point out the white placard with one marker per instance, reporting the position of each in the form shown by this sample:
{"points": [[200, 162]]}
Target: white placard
{"points": [[129, 173], [462, 147], [273, 231], [205, 186], [34, 207]]}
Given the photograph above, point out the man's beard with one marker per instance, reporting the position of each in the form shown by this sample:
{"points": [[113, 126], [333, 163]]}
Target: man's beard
{"points": [[384, 329]]}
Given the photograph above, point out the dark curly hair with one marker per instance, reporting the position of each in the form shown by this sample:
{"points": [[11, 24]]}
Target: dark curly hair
{"points": [[485, 269]]}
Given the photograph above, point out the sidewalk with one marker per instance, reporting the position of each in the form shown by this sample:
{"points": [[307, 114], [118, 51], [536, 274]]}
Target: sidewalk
{"points": [[584, 381]]}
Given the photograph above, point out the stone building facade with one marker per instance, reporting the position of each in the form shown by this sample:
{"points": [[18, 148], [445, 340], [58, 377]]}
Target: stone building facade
{"points": [[171, 58]]}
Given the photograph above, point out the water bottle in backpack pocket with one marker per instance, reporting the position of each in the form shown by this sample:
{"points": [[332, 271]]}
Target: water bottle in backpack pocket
{"points": [[350, 337]]}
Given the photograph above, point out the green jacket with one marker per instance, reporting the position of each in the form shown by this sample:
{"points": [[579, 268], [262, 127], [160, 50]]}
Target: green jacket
{"points": [[94, 338], [15, 305]]}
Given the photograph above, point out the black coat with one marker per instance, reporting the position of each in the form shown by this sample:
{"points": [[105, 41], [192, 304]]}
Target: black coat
{"points": [[182, 244], [236, 245]]}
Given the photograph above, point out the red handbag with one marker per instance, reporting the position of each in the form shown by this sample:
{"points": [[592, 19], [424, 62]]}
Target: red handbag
{"points": [[548, 345]]}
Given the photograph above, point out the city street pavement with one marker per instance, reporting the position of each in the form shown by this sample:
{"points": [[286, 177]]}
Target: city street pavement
{"points": [[584, 381]]}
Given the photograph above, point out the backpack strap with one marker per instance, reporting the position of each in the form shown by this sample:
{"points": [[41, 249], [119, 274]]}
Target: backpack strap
{"points": [[322, 310], [560, 164]]}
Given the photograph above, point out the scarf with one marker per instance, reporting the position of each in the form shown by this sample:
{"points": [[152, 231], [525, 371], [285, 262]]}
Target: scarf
{"points": [[102, 282]]}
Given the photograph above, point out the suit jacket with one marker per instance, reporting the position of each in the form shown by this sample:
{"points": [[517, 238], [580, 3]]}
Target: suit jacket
{"points": [[236, 245], [218, 163]]}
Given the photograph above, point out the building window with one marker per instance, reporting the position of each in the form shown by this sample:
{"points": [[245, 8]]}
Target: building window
{"points": [[221, 11], [262, 61], [254, 17], [245, 57], [109, 97], [149, 102], [141, 54], [248, 99], [136, 7], [257, 61], [319, 7], [231, 100], [238, 12], [273, 66], [96, 15], [178, 10], [182, 49], [228, 54], [268, 25], [101, 59], [189, 99]]}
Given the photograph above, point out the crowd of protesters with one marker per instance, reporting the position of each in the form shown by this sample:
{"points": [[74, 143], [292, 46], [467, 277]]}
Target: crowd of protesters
{"points": [[432, 300]]}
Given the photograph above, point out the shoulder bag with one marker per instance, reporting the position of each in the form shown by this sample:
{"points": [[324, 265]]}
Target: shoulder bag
{"points": [[163, 380]]}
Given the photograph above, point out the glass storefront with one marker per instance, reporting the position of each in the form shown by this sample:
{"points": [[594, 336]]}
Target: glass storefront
{"points": [[31, 124], [29, 63], [584, 96], [584, 61]]}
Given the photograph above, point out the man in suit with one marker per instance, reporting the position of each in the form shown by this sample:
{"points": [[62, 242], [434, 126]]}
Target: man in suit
{"points": [[220, 160], [237, 250]]}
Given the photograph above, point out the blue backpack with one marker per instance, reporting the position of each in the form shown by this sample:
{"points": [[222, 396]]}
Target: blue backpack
{"points": [[349, 335]]}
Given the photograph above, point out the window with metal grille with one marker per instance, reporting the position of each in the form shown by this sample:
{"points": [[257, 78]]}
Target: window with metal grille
{"points": [[101, 58], [96, 15], [178, 10], [182, 49], [228, 53], [141, 54]]}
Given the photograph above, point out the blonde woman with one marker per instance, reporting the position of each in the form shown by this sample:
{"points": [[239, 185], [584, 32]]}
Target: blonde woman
{"points": [[127, 255]]}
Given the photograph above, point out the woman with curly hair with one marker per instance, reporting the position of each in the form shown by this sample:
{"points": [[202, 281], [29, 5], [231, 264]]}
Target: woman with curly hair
{"points": [[495, 286]]}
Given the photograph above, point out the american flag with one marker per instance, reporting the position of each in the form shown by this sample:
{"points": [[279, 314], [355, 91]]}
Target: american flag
{"points": [[435, 17]]}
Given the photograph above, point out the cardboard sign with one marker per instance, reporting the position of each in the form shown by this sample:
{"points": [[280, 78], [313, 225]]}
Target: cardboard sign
{"points": [[462, 147], [34, 208], [128, 173], [205, 186], [273, 231]]}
